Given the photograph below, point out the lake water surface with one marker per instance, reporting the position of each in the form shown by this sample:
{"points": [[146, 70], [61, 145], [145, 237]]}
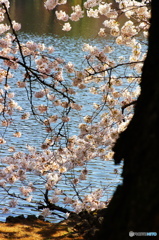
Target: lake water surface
{"points": [[41, 26]]}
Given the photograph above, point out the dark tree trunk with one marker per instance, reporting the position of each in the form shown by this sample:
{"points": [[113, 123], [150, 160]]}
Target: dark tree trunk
{"points": [[135, 204]]}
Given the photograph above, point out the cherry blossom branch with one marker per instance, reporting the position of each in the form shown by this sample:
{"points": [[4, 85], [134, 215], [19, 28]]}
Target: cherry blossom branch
{"points": [[52, 206], [127, 105]]}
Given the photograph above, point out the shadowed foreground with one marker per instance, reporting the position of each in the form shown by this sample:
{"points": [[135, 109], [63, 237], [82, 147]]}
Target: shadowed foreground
{"points": [[37, 230]]}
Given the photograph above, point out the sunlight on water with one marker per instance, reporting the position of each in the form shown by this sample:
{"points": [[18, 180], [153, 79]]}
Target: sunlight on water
{"points": [[48, 31]]}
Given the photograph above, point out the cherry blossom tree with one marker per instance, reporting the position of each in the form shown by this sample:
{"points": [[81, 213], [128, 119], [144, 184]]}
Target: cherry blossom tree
{"points": [[133, 210], [53, 83]]}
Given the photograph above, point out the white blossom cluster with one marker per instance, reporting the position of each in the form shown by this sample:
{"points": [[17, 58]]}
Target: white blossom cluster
{"points": [[61, 153], [51, 4]]}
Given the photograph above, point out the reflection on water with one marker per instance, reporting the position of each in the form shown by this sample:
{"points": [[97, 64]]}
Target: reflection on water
{"points": [[69, 49], [36, 19], [40, 25]]}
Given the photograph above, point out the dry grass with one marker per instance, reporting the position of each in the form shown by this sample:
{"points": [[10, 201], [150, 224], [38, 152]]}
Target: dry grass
{"points": [[37, 230]]}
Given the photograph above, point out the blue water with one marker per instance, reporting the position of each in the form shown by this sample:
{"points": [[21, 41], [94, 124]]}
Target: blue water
{"points": [[101, 173]]}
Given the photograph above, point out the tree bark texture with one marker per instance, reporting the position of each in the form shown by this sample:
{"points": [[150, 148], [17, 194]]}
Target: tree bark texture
{"points": [[135, 204]]}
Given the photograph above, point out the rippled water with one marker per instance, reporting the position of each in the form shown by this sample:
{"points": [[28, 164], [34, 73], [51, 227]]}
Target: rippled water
{"points": [[101, 173]]}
